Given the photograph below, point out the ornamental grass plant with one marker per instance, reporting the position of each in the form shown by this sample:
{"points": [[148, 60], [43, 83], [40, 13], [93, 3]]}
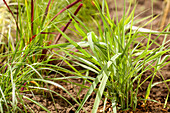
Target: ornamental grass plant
{"points": [[114, 53], [26, 56], [119, 60]]}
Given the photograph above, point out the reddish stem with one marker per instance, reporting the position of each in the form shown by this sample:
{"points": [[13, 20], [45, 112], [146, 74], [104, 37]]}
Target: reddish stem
{"points": [[65, 27], [23, 85], [32, 16], [12, 15], [46, 11], [67, 7]]}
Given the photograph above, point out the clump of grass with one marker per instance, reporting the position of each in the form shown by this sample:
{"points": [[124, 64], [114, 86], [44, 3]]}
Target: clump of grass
{"points": [[118, 60], [113, 55], [27, 59]]}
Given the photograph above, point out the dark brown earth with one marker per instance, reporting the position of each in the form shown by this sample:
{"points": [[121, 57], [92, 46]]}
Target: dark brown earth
{"points": [[158, 92]]}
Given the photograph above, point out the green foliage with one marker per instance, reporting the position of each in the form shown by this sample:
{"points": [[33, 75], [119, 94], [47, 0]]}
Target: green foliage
{"points": [[24, 59], [112, 53], [118, 60]]}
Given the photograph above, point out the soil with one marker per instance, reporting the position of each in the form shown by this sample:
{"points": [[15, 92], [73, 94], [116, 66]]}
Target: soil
{"points": [[158, 92]]}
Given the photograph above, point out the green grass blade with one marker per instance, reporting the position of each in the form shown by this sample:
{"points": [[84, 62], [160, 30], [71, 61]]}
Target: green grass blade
{"points": [[100, 92], [37, 104]]}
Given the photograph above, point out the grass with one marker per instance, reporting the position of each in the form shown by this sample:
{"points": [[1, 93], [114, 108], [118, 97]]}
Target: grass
{"points": [[25, 57], [112, 53]]}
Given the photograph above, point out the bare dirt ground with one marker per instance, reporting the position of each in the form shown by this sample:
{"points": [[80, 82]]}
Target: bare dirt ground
{"points": [[158, 93]]}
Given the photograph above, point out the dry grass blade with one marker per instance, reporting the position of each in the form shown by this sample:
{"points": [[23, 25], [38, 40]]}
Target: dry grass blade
{"points": [[166, 11]]}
